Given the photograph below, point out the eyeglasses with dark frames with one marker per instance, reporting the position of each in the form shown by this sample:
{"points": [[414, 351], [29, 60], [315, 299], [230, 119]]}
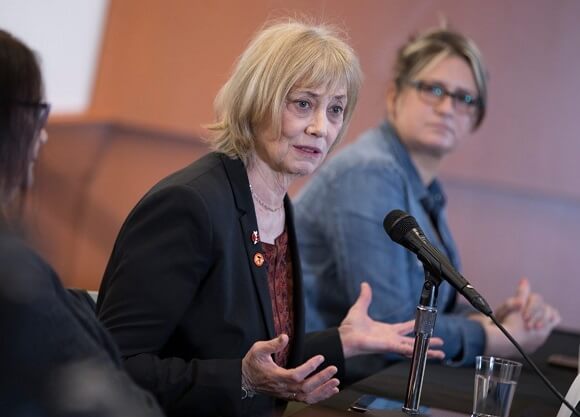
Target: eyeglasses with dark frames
{"points": [[435, 93], [42, 111]]}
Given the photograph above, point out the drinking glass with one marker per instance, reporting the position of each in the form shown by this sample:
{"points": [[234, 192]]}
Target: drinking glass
{"points": [[494, 387]]}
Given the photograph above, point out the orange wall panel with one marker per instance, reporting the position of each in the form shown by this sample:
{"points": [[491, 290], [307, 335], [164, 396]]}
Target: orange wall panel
{"points": [[515, 199]]}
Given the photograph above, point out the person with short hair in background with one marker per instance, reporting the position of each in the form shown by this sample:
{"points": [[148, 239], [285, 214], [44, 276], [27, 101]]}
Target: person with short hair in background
{"points": [[437, 96]]}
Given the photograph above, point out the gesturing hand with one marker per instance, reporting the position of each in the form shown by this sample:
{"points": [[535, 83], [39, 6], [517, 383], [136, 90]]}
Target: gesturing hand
{"points": [[536, 313], [360, 334], [527, 317], [262, 374]]}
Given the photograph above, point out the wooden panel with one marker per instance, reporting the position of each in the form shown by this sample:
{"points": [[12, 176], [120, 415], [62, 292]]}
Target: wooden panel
{"points": [[164, 61], [88, 179], [66, 164], [132, 164], [509, 184]]}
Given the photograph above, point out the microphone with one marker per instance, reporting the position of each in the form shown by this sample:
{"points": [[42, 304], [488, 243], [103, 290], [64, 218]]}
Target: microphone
{"points": [[403, 229]]}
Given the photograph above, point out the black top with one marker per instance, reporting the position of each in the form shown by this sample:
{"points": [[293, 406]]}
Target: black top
{"points": [[54, 351], [185, 300]]}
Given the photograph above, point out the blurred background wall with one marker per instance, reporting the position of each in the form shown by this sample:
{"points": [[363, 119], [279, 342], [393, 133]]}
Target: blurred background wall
{"points": [[514, 192]]}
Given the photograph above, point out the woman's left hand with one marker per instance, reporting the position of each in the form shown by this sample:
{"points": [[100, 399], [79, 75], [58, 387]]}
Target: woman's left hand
{"points": [[537, 314], [361, 335]]}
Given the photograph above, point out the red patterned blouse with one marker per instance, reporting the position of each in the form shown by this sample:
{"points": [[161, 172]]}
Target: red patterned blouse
{"points": [[280, 282]]}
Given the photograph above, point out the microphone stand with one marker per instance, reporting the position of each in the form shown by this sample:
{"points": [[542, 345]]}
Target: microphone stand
{"points": [[424, 324]]}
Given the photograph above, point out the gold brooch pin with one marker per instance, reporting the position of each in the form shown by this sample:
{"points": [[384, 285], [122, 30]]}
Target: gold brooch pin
{"points": [[258, 259]]}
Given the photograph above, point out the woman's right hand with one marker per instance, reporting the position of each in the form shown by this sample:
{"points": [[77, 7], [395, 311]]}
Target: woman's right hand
{"points": [[261, 374]]}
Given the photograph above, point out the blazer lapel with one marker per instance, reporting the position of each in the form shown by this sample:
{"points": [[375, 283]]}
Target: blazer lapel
{"points": [[297, 351], [241, 189]]}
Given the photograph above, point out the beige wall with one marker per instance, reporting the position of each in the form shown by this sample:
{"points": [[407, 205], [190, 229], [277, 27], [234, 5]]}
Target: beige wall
{"points": [[515, 199]]}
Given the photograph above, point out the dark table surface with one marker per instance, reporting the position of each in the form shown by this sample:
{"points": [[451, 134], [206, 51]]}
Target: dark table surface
{"points": [[452, 388]]}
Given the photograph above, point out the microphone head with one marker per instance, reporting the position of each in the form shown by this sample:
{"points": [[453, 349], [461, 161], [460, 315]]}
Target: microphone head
{"points": [[398, 223]]}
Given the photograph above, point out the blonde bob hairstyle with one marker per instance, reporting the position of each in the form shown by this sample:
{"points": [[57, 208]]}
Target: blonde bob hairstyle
{"points": [[280, 57], [433, 46]]}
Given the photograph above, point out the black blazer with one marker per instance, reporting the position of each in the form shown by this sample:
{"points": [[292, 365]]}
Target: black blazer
{"points": [[184, 299]]}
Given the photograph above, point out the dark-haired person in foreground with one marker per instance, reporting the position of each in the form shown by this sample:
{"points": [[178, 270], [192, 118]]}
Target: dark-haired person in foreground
{"points": [[437, 96], [55, 357]]}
